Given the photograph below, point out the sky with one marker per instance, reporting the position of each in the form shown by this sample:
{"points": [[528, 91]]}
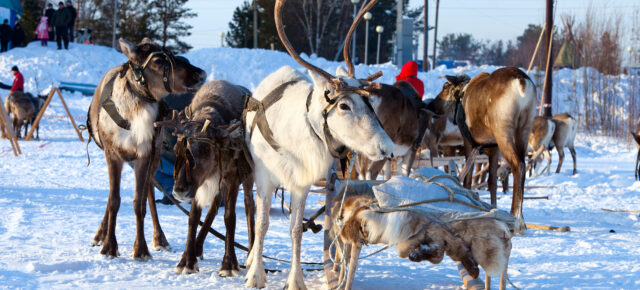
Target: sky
{"points": [[484, 19]]}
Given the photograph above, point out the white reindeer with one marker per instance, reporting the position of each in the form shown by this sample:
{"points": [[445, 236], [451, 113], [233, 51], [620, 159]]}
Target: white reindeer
{"points": [[308, 125]]}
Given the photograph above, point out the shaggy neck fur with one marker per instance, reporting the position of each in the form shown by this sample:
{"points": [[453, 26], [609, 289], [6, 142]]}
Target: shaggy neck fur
{"points": [[140, 114]]}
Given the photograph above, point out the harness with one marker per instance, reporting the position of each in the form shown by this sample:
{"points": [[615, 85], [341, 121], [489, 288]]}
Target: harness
{"points": [[336, 149], [106, 101], [460, 119]]}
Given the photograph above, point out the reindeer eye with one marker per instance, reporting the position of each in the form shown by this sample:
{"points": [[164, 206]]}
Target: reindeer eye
{"points": [[345, 107], [157, 61]]}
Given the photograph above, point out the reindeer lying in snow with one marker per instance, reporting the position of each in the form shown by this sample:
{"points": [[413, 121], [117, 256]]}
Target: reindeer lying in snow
{"points": [[210, 165], [419, 235], [124, 107]]}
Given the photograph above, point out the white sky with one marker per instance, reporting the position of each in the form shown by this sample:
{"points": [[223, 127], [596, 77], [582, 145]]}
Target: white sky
{"points": [[484, 19]]}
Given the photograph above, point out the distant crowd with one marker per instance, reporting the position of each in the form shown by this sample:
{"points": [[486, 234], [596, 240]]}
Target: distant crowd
{"points": [[55, 25]]}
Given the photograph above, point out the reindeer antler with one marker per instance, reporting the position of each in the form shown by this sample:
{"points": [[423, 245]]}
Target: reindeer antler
{"points": [[347, 42], [175, 123], [337, 83], [285, 41]]}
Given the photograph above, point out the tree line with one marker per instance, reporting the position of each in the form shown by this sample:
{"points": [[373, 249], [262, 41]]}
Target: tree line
{"points": [[159, 20]]}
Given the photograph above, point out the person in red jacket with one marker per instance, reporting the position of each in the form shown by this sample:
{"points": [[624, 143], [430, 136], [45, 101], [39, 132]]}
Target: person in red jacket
{"points": [[409, 73], [18, 81]]}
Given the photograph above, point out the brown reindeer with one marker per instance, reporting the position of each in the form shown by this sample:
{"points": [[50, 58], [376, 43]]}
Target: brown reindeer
{"points": [[564, 135], [443, 133], [404, 118], [210, 165], [22, 109], [120, 120], [497, 109], [541, 141], [636, 136]]}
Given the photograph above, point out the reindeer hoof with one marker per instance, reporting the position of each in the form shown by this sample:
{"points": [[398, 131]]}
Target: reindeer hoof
{"points": [[160, 243], [95, 243], [158, 247], [229, 273], [141, 258], [295, 282], [256, 278], [110, 250]]}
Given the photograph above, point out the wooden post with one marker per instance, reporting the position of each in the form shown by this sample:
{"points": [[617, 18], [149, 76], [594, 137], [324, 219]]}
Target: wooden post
{"points": [[548, 75], [69, 114], [4, 119], [535, 51], [44, 108]]}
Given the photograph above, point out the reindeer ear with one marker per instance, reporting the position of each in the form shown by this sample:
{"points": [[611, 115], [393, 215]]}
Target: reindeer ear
{"points": [[127, 48], [341, 72], [319, 81]]}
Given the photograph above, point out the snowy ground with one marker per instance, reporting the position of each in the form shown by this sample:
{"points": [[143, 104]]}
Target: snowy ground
{"points": [[51, 205]]}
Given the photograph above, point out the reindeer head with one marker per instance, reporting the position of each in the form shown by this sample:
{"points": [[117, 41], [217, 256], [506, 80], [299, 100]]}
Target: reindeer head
{"points": [[349, 119], [158, 71], [202, 151], [453, 89]]}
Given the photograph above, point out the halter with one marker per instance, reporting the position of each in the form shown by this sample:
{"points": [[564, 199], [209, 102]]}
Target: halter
{"points": [[138, 72]]}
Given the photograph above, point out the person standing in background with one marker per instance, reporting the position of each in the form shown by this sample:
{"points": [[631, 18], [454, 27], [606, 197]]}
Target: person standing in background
{"points": [[409, 73], [61, 20], [42, 31], [5, 35], [17, 37], [74, 14], [49, 14]]}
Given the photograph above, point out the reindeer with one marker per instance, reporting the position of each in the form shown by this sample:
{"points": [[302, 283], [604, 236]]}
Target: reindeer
{"points": [[208, 161], [497, 109], [302, 127], [636, 136], [404, 119], [472, 242], [120, 119], [564, 135], [22, 109], [541, 141], [443, 133]]}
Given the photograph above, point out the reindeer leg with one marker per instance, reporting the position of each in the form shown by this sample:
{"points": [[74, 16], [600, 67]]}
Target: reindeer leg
{"points": [[353, 264], [188, 263], [493, 175], [298, 199], [206, 225], [114, 165], [637, 162], [561, 158], [143, 168], [230, 266], [573, 156], [159, 241], [374, 169], [250, 210], [256, 277], [547, 154]]}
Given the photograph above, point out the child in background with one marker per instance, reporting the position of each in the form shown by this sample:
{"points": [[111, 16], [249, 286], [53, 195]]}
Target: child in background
{"points": [[42, 31]]}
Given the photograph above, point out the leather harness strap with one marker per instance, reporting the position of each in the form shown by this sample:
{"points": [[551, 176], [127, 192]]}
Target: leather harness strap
{"points": [[260, 107]]}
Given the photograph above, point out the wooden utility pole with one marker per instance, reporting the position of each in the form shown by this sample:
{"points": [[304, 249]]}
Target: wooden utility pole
{"points": [[255, 24], [548, 74], [435, 35], [425, 31]]}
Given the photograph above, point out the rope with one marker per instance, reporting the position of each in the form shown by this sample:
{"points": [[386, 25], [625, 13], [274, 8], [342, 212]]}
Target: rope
{"points": [[222, 237], [338, 222]]}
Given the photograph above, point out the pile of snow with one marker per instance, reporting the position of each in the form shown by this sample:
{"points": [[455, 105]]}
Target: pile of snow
{"points": [[52, 203]]}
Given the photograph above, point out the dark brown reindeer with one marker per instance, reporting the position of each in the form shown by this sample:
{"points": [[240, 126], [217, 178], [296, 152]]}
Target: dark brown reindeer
{"points": [[210, 165], [497, 110], [120, 120], [636, 136], [404, 118], [443, 133]]}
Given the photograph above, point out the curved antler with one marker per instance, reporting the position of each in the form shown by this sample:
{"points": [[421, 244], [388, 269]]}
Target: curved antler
{"points": [[285, 41], [347, 42]]}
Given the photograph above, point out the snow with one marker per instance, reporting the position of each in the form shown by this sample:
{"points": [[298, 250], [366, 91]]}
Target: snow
{"points": [[51, 203]]}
